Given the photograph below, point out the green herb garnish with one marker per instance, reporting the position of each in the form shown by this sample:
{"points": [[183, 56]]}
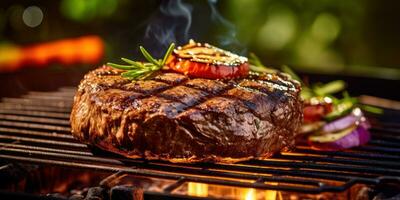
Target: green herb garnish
{"points": [[141, 70], [307, 91], [257, 66], [329, 88], [289, 71], [342, 106]]}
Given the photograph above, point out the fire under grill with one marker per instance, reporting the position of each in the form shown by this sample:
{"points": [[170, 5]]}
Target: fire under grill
{"points": [[35, 130]]}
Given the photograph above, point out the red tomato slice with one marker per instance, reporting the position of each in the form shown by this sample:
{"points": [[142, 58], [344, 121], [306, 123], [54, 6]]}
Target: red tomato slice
{"points": [[207, 70], [207, 61], [313, 113], [316, 108]]}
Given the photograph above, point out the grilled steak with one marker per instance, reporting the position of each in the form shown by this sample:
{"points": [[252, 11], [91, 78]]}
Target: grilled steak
{"points": [[180, 119]]}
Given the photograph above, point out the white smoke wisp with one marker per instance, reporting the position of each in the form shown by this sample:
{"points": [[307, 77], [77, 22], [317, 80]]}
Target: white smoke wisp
{"points": [[178, 9], [228, 38], [171, 24]]}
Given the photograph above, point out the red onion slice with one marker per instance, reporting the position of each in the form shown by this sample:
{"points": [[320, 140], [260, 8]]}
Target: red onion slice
{"points": [[359, 136], [355, 117]]}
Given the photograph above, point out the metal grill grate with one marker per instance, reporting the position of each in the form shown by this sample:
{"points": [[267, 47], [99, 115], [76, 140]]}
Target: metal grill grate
{"points": [[35, 129]]}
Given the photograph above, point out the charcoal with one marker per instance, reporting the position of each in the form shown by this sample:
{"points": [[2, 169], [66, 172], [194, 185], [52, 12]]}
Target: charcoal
{"points": [[14, 172], [96, 193], [76, 197], [57, 196], [126, 193]]}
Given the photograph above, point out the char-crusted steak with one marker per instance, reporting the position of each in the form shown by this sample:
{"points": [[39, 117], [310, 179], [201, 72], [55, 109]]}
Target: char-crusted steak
{"points": [[180, 119]]}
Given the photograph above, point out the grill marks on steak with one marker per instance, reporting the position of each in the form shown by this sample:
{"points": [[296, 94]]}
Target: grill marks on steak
{"points": [[175, 118]]}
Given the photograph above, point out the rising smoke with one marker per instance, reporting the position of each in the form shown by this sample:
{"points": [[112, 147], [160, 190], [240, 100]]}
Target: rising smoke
{"points": [[228, 36], [173, 23], [170, 24]]}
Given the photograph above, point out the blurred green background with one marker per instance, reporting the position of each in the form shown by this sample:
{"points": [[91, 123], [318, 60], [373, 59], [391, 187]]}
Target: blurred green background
{"points": [[359, 37]]}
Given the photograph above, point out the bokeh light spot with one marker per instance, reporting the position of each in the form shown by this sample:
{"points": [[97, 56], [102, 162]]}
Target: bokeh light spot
{"points": [[279, 29], [79, 10], [32, 16], [325, 28], [73, 9]]}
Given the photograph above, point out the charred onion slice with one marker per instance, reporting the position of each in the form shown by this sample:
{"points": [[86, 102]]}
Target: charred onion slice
{"points": [[206, 61], [346, 132], [355, 117], [348, 138]]}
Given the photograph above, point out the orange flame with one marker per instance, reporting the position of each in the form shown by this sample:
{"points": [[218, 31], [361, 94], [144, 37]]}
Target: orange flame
{"points": [[206, 190], [198, 189]]}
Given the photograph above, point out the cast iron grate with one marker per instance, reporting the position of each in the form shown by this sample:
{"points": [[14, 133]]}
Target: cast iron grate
{"points": [[35, 129]]}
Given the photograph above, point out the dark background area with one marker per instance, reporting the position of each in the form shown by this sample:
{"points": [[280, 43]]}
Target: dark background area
{"points": [[357, 41]]}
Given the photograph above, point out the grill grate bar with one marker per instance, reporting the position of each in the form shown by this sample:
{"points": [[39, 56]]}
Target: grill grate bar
{"points": [[384, 125], [153, 165], [35, 126], [312, 159], [36, 102], [13, 106], [285, 163], [11, 117], [30, 147], [226, 175], [249, 168], [28, 133], [35, 129], [190, 178], [349, 154], [387, 137], [42, 141], [331, 166], [387, 130], [51, 94], [90, 159], [378, 142], [388, 150], [292, 172], [36, 113], [150, 173], [56, 98], [175, 185]]}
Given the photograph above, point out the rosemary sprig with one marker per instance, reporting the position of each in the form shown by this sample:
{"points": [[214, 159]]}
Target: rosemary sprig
{"points": [[149, 57], [141, 70]]}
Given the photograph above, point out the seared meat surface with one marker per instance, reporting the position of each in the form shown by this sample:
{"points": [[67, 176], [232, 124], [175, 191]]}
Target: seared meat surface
{"points": [[180, 119]]}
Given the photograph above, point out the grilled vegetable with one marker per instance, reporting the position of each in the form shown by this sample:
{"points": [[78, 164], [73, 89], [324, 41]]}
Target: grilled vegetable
{"points": [[334, 135], [323, 114], [206, 61], [355, 117], [339, 110], [347, 138], [316, 108]]}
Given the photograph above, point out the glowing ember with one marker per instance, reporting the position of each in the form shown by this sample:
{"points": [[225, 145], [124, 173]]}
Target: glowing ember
{"points": [[218, 191]]}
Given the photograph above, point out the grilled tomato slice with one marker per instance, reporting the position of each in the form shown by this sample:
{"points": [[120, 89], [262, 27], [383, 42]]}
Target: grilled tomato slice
{"points": [[316, 108], [206, 61]]}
